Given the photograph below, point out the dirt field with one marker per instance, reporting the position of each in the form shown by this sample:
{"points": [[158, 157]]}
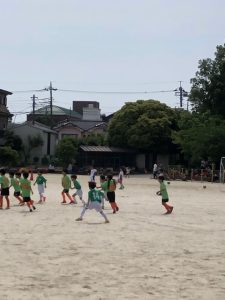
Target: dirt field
{"points": [[140, 254]]}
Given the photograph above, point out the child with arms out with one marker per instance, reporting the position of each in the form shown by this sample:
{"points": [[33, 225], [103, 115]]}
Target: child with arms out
{"points": [[94, 202]]}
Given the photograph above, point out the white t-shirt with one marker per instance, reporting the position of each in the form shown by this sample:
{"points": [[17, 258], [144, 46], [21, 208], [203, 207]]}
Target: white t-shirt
{"points": [[155, 168]]}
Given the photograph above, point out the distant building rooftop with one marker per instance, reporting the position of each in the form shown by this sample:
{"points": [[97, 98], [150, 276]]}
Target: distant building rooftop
{"points": [[105, 149]]}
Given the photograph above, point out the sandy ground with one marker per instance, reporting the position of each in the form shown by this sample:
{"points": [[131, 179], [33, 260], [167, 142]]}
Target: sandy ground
{"points": [[141, 254]]}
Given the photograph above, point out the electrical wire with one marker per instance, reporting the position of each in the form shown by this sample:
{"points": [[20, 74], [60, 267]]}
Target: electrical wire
{"points": [[113, 92]]}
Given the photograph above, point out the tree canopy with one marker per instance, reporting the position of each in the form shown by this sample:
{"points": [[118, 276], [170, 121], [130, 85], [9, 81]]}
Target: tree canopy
{"points": [[200, 136], [208, 86], [145, 125]]}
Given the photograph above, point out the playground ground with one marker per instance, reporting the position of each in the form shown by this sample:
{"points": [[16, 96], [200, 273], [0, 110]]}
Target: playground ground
{"points": [[140, 254]]}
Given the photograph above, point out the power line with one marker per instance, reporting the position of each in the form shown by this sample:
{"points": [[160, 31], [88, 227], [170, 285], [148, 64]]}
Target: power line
{"points": [[115, 92]]}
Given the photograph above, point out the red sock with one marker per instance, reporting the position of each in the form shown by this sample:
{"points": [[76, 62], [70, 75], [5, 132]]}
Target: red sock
{"points": [[167, 207]]}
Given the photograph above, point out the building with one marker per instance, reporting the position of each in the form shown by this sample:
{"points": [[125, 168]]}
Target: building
{"points": [[5, 115], [88, 109], [48, 136], [105, 157], [79, 129], [59, 114]]}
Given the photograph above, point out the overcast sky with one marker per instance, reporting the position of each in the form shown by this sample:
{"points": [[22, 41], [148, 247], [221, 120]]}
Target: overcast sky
{"points": [[104, 45]]}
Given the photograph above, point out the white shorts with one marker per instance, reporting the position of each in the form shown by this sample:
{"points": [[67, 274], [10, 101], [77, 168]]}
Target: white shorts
{"points": [[41, 189], [78, 193], [95, 205]]}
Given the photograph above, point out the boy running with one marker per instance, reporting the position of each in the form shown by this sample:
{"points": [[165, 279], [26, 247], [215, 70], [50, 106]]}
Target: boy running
{"points": [[41, 183], [94, 202], [4, 181], [66, 184], [26, 189], [77, 186], [165, 197], [15, 183]]}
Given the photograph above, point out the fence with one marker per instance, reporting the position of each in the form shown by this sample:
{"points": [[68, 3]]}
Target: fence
{"points": [[184, 174]]}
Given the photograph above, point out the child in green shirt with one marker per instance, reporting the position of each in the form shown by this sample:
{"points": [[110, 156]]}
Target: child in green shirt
{"points": [[77, 186], [41, 183], [4, 182], [66, 184], [165, 197], [94, 201], [15, 183], [25, 185]]}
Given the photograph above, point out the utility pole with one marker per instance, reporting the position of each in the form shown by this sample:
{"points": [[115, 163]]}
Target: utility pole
{"points": [[50, 88], [181, 93], [33, 106]]}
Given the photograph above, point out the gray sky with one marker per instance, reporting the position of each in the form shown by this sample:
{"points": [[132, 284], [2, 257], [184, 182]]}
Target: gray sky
{"points": [[104, 45]]}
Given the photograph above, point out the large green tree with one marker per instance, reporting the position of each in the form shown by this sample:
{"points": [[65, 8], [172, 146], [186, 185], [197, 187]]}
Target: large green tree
{"points": [[67, 150], [208, 86], [200, 136], [145, 125]]}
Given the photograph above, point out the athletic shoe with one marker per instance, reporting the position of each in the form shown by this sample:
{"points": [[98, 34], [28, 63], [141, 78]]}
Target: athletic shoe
{"points": [[79, 219], [44, 199], [40, 201], [117, 208], [106, 221], [72, 202], [63, 202], [114, 211], [7, 207], [34, 207], [171, 209], [31, 210]]}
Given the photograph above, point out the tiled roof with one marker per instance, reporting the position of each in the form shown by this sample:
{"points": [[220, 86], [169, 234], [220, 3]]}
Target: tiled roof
{"points": [[57, 110], [84, 125], [105, 149]]}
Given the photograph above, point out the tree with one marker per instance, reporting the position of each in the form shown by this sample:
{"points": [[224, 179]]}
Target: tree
{"points": [[201, 136], [12, 140], [33, 141], [208, 87], [143, 125], [8, 156], [67, 150]]}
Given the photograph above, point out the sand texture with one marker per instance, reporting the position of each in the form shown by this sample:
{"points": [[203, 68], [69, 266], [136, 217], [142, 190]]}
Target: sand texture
{"points": [[140, 254]]}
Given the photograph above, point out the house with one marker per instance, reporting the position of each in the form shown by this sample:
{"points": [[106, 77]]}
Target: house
{"points": [[80, 128], [5, 115], [59, 114], [30, 129]]}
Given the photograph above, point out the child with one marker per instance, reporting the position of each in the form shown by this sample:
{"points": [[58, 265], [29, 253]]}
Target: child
{"points": [[15, 183], [25, 185], [165, 197], [77, 186], [103, 188], [93, 173], [120, 179], [94, 202], [41, 182], [4, 181], [110, 186], [66, 184]]}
